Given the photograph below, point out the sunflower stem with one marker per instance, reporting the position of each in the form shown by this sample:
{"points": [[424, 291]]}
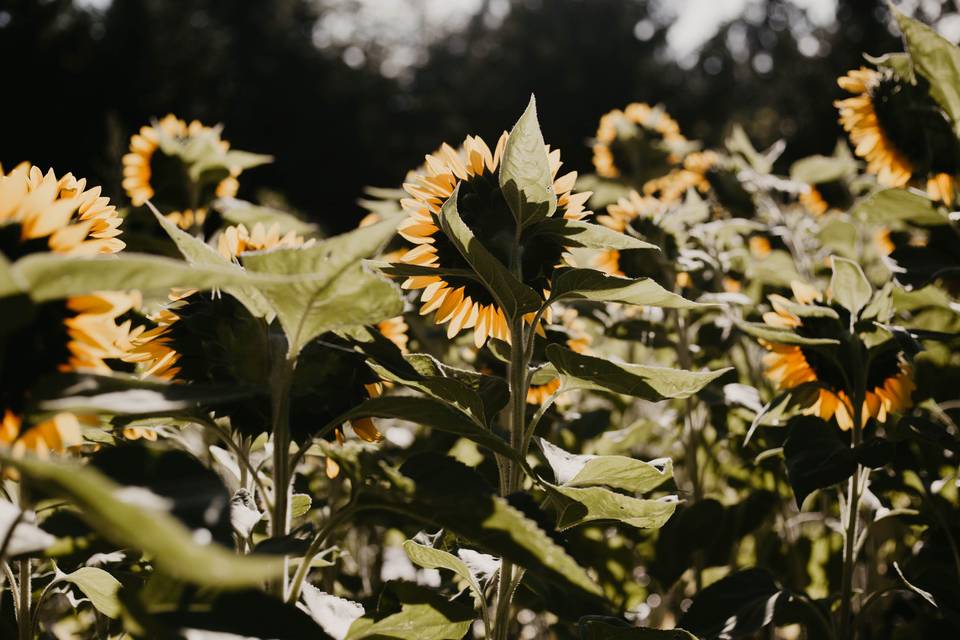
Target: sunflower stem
{"points": [[853, 508], [517, 379], [280, 429], [25, 581]]}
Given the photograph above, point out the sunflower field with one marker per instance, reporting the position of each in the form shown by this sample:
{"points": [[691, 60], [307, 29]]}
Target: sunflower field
{"points": [[674, 395]]}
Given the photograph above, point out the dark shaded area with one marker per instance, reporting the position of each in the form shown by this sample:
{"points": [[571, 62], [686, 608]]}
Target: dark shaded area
{"points": [[77, 84]]}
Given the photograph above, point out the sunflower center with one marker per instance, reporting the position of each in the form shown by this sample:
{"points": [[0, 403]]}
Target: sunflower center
{"points": [[835, 194], [916, 125], [34, 349], [641, 156], [170, 179], [13, 246]]}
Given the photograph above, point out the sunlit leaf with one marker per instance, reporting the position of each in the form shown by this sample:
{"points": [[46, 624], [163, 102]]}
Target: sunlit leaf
{"points": [[99, 587], [525, 171], [590, 284]]}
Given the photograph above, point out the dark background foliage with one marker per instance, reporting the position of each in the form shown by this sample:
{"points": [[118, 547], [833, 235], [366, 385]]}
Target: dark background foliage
{"points": [[77, 82]]}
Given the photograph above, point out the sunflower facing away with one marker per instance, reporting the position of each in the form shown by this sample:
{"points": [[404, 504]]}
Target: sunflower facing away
{"points": [[460, 302], [638, 214], [889, 385], [637, 143], [40, 212], [900, 131], [181, 343], [152, 170], [673, 186]]}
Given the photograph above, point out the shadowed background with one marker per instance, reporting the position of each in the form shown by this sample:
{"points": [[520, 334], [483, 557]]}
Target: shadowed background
{"points": [[347, 93]]}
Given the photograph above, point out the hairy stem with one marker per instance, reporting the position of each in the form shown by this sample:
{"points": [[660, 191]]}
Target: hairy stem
{"points": [[280, 429]]}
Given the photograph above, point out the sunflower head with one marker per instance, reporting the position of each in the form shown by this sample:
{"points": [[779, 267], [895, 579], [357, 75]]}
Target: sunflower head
{"points": [[637, 143], [237, 240], [40, 212], [888, 380], [641, 216], [900, 130], [569, 331], [182, 168], [471, 171]]}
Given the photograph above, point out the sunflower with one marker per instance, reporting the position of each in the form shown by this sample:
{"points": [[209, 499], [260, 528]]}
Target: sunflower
{"points": [[153, 170], [673, 186], [639, 142], [900, 131], [236, 240], [889, 383], [41, 212], [638, 214], [823, 197], [460, 302]]}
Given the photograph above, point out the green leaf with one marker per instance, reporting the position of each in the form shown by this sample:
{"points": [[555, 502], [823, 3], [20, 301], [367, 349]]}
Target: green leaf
{"points": [[600, 628], [131, 517], [249, 214], [423, 616], [514, 297], [334, 291], [736, 606], [815, 456], [896, 205], [849, 285], [576, 233], [430, 558], [819, 169], [50, 276], [9, 283], [580, 371], [616, 472], [525, 176], [300, 504], [99, 587], [436, 414], [590, 284], [936, 59], [588, 504], [200, 255], [781, 336]]}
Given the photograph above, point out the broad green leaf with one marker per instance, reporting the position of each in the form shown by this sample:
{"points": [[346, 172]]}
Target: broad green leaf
{"points": [[936, 59], [334, 614], [514, 297], [525, 176], [249, 214], [590, 284], [820, 169], [25, 537], [435, 489], [616, 472], [99, 587], [430, 558], [576, 233], [781, 336], [436, 414], [449, 390], [849, 285], [580, 371], [598, 628], [815, 456], [406, 270], [127, 395], [335, 291], [300, 504], [422, 616], [133, 517], [201, 255], [587, 504], [896, 205], [804, 310], [736, 606], [9, 283], [50, 276]]}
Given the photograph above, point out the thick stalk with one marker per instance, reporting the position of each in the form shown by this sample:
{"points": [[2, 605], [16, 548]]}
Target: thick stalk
{"points": [[25, 623], [517, 378], [850, 529], [280, 429]]}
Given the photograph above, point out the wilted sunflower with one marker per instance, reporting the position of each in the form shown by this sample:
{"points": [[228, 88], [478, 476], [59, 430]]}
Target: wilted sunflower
{"points": [[40, 212], [639, 142], [153, 171], [900, 131], [462, 303], [889, 385]]}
